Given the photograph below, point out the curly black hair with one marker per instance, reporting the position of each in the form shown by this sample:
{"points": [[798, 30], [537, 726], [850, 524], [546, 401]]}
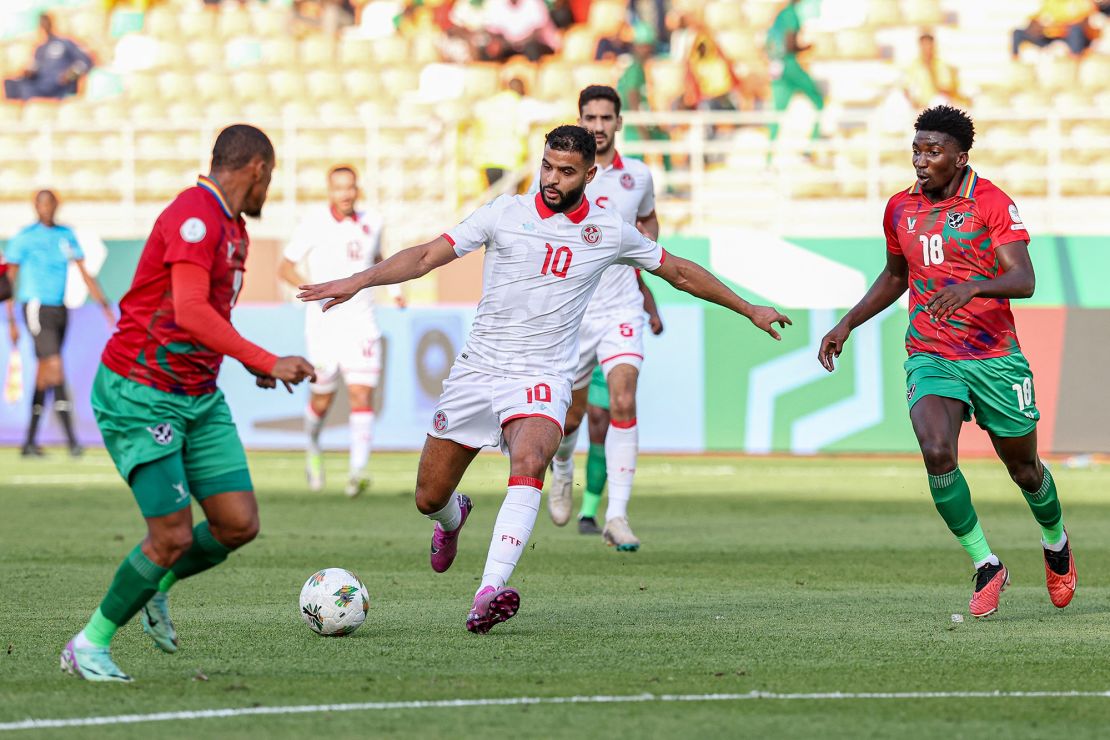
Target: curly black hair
{"points": [[573, 139], [945, 119]]}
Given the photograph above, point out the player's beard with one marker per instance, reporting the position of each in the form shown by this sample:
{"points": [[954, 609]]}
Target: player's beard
{"points": [[569, 199], [608, 146]]}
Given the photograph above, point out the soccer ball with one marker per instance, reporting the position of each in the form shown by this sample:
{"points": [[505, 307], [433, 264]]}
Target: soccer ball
{"points": [[334, 602]]}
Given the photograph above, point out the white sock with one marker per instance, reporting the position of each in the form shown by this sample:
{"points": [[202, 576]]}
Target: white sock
{"points": [[622, 446], [313, 424], [450, 516], [992, 559], [1056, 546], [511, 530], [563, 464], [362, 434]]}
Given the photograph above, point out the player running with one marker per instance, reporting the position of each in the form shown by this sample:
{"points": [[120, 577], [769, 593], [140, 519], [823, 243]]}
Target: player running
{"points": [[333, 242], [164, 421], [511, 385], [960, 245], [611, 336]]}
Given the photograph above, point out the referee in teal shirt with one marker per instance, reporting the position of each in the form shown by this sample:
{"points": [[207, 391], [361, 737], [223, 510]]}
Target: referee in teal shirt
{"points": [[38, 260]]}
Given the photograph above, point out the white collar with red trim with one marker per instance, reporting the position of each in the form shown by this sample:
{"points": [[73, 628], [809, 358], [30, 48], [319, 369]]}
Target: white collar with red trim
{"points": [[578, 215]]}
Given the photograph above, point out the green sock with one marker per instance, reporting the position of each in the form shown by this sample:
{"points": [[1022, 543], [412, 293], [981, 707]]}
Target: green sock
{"points": [[135, 582], [975, 544], [100, 630], [952, 498], [595, 481], [206, 552], [1045, 505]]}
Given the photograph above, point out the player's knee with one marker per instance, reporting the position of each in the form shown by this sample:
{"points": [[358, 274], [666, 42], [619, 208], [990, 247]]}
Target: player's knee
{"points": [[429, 500], [574, 420], [531, 463], [235, 534], [940, 456], [622, 404], [170, 544], [1027, 475]]}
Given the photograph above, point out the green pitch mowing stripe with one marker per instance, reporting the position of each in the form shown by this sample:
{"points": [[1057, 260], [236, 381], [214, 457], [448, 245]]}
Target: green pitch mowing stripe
{"points": [[378, 706]]}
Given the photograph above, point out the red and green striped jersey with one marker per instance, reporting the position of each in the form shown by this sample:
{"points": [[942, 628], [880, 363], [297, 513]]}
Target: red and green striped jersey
{"points": [[148, 346], [949, 242]]}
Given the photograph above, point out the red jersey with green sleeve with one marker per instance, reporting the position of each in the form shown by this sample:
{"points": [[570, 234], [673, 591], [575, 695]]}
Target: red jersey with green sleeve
{"points": [[148, 346], [955, 241]]}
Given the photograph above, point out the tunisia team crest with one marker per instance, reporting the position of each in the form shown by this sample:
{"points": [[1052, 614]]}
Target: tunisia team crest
{"points": [[627, 181], [439, 421], [591, 234]]}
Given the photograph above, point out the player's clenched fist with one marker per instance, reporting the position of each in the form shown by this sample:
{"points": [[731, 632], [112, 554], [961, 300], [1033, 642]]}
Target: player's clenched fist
{"points": [[339, 291], [832, 344], [765, 317]]}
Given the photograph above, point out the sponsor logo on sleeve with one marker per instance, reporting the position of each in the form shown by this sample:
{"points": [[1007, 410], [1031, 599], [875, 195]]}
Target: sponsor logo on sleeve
{"points": [[193, 230], [1017, 224]]}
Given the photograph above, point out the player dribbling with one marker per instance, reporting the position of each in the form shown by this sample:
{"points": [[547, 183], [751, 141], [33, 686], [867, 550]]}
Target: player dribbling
{"points": [[510, 386]]}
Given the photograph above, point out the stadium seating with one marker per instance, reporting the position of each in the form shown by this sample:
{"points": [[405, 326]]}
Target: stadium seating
{"points": [[193, 68]]}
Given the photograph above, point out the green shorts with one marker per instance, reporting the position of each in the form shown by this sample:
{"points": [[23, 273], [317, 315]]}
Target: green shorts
{"points": [[599, 390], [192, 437], [997, 390]]}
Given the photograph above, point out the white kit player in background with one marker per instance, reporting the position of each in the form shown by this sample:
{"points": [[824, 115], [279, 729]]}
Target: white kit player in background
{"points": [[511, 385], [331, 242], [612, 332]]}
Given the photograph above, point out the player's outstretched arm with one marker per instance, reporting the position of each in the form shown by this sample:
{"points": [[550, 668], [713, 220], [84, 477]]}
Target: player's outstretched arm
{"points": [[697, 281], [193, 313], [891, 283], [408, 264]]}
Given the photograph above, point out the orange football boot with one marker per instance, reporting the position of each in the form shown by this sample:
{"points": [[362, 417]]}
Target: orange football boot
{"points": [[990, 582], [1059, 574]]}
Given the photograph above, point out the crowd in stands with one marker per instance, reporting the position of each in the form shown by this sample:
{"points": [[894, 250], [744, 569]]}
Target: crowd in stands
{"points": [[340, 59]]}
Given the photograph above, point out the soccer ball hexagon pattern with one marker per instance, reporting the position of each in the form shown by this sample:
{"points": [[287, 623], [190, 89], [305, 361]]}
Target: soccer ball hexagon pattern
{"points": [[334, 602]]}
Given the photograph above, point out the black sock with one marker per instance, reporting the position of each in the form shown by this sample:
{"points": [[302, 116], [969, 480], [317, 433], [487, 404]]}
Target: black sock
{"points": [[37, 402], [62, 409]]}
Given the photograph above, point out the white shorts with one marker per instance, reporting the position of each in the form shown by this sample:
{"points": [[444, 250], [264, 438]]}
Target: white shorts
{"points": [[609, 341], [475, 406], [358, 360]]}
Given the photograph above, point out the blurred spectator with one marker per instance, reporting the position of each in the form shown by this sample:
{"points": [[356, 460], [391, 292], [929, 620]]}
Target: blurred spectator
{"points": [[328, 15], [654, 14], [502, 130], [518, 27], [633, 88], [562, 15], [1058, 20], [6, 297], [711, 81], [58, 64], [611, 47], [929, 81], [788, 77]]}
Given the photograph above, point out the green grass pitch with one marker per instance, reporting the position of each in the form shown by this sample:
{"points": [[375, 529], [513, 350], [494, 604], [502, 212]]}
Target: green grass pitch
{"points": [[783, 575]]}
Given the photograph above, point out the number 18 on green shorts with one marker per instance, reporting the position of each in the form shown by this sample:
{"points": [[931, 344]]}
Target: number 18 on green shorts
{"points": [[998, 391]]}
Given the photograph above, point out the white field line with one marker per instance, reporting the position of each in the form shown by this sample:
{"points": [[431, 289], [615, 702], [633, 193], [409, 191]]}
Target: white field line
{"points": [[126, 719], [64, 478]]}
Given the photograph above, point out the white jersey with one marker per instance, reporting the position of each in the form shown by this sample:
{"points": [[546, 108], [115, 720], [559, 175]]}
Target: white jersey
{"points": [[541, 268], [625, 186], [333, 248]]}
